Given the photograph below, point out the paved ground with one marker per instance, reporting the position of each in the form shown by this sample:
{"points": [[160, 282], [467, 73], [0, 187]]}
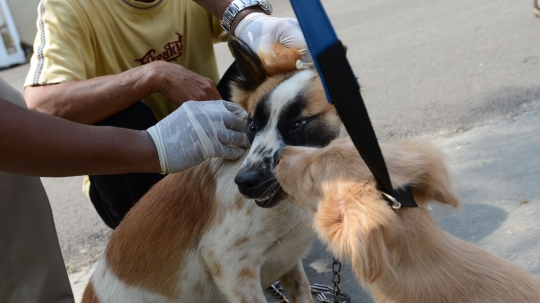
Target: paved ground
{"points": [[464, 73]]}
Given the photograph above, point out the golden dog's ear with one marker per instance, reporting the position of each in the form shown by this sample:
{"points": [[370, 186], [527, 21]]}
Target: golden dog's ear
{"points": [[251, 72], [353, 220], [419, 164], [435, 184]]}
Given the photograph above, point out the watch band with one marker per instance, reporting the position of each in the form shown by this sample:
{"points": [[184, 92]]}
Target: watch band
{"points": [[237, 6]]}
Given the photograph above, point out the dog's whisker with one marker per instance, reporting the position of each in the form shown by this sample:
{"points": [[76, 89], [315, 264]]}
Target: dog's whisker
{"points": [[268, 190], [271, 188], [271, 179]]}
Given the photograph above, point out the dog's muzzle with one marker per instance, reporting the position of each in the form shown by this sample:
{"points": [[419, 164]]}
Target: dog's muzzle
{"points": [[262, 187]]}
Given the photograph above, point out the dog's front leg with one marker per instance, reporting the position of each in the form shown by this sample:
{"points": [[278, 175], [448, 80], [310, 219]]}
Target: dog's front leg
{"points": [[296, 284], [241, 284]]}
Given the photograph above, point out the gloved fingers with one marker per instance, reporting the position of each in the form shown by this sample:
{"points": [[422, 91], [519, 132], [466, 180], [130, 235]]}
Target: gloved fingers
{"points": [[306, 56], [213, 114], [260, 31], [236, 109], [231, 121], [233, 138], [199, 130], [232, 153], [289, 33]]}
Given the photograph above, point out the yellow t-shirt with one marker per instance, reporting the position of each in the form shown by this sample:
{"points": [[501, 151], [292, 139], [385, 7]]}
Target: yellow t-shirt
{"points": [[84, 39]]}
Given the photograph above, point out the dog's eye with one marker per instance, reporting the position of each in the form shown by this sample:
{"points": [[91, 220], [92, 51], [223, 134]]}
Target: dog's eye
{"points": [[298, 124], [252, 127]]}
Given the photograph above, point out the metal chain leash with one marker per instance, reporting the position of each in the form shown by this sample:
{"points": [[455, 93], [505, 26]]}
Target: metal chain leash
{"points": [[275, 289], [336, 279], [319, 290]]}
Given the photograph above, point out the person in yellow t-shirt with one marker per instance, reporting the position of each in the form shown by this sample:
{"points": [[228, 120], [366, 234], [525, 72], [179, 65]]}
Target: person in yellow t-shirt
{"points": [[94, 61]]}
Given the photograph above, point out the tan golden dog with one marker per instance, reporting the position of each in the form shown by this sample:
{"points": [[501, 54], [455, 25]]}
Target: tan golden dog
{"points": [[403, 255]]}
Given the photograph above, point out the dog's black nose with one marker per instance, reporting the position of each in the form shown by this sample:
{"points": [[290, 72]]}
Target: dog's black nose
{"points": [[277, 155], [247, 181]]}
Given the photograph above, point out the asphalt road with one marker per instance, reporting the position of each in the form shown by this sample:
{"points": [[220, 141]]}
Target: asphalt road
{"points": [[447, 70]]}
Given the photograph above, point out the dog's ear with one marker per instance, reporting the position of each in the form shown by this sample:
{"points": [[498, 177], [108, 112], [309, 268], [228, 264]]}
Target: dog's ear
{"points": [[354, 220], [435, 185], [419, 164], [251, 72]]}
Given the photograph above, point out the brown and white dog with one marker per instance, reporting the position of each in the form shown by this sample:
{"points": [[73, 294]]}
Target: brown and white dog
{"points": [[403, 255], [197, 236]]}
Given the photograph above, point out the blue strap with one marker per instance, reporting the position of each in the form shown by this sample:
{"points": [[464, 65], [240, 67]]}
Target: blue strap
{"points": [[343, 91], [317, 29]]}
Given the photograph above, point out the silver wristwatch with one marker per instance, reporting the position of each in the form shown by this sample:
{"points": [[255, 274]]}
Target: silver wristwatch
{"points": [[237, 6]]}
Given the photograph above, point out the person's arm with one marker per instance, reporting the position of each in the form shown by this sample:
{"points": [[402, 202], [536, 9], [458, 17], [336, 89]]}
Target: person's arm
{"points": [[41, 145], [37, 144], [90, 101]]}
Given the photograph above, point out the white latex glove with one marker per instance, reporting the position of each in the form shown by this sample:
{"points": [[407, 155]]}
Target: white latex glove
{"points": [[260, 31], [199, 130]]}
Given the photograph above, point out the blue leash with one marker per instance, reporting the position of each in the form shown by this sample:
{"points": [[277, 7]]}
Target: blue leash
{"points": [[343, 91], [317, 29]]}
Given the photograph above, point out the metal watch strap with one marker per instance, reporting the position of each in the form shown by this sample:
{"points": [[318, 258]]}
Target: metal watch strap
{"points": [[237, 6]]}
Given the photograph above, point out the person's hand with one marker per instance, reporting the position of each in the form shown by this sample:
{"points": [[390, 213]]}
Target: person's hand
{"points": [[260, 31], [199, 130], [179, 84]]}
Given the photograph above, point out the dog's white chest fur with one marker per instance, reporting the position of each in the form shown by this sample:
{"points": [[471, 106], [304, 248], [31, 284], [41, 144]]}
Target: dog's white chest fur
{"points": [[245, 247]]}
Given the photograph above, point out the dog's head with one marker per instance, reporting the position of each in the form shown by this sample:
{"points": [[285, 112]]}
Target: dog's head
{"points": [[286, 107], [351, 216], [305, 172]]}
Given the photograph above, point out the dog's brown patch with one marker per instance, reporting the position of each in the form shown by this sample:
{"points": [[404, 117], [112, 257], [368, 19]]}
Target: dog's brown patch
{"points": [[89, 295], [241, 241], [247, 273], [242, 258], [239, 202], [294, 283], [279, 59], [216, 269], [183, 204], [318, 104]]}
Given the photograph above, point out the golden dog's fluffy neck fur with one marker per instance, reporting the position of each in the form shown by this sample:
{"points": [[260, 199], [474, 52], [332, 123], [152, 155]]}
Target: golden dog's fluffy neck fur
{"points": [[402, 256]]}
